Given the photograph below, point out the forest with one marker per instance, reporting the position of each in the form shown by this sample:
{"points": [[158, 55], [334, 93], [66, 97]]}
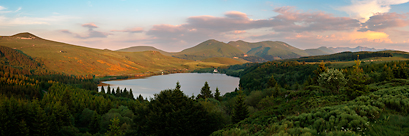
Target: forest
{"points": [[274, 98]]}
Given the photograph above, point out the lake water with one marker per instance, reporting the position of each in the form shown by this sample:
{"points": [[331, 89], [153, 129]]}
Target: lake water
{"points": [[191, 83]]}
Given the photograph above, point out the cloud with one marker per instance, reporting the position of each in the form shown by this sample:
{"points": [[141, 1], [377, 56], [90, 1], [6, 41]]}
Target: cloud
{"points": [[1, 8], [90, 25], [5, 21], [131, 30], [19, 8], [381, 21], [288, 20], [364, 9], [90, 34]]}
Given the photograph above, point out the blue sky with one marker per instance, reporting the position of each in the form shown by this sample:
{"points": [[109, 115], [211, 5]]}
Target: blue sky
{"points": [[176, 25]]}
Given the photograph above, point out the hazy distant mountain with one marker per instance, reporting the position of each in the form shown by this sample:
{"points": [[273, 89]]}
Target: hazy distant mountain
{"points": [[209, 49], [343, 49], [315, 52], [144, 48], [269, 50]]}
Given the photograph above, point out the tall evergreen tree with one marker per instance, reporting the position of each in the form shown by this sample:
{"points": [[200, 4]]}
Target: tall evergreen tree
{"points": [[125, 93], [113, 91], [140, 98], [109, 89], [272, 82], [217, 94], [102, 89], [118, 91], [206, 92], [131, 94], [178, 85], [240, 110]]}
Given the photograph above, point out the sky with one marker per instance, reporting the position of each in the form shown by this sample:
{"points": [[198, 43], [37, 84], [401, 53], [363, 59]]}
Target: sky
{"points": [[174, 25]]}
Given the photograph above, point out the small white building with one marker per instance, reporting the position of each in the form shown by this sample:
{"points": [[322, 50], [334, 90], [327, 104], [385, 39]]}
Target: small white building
{"points": [[215, 71]]}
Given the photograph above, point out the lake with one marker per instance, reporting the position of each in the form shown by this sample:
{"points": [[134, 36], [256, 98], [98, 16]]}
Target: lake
{"points": [[191, 83]]}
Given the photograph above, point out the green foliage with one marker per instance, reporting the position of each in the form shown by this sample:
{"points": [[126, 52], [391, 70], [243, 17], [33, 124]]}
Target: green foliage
{"points": [[114, 128], [240, 109], [205, 92], [217, 94], [272, 82], [173, 113], [332, 79]]}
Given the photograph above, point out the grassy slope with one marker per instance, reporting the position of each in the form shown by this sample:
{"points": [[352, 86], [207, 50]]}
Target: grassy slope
{"points": [[144, 48], [221, 60], [80, 60], [274, 49], [209, 49]]}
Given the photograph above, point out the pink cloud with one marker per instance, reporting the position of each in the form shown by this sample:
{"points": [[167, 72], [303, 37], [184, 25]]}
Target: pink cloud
{"points": [[89, 25], [131, 30]]}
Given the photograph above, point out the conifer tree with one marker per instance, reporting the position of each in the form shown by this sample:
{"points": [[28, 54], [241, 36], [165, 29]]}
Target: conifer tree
{"points": [[140, 98], [109, 89], [114, 128], [271, 82], [113, 91], [102, 89], [217, 94], [125, 93], [178, 85], [118, 91], [206, 92], [131, 94], [240, 110]]}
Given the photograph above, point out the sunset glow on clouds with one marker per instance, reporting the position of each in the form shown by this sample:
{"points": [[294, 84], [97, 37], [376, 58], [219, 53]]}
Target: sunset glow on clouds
{"points": [[167, 26]]}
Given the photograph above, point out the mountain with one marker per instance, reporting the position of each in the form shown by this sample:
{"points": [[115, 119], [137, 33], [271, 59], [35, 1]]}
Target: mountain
{"points": [[269, 50], [344, 49], [144, 48], [314, 52], [79, 60], [209, 49]]}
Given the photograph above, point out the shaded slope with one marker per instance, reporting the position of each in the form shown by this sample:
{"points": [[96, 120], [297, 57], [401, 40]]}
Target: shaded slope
{"points": [[209, 49], [270, 50], [222, 60]]}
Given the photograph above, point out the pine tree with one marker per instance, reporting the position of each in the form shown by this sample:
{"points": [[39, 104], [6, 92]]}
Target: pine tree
{"points": [[271, 82], [118, 91], [114, 128], [125, 93], [217, 94], [131, 94], [206, 92], [140, 98], [94, 124], [240, 110], [178, 85], [113, 91], [102, 89], [109, 89]]}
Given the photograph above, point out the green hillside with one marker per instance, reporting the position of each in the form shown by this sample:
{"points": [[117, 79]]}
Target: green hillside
{"points": [[209, 49], [144, 48], [222, 60], [78, 60], [269, 50]]}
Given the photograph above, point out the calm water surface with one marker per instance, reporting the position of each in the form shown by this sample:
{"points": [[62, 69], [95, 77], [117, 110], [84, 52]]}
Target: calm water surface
{"points": [[191, 83]]}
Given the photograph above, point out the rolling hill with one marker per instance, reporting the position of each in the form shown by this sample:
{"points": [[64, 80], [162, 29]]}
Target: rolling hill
{"points": [[78, 60], [209, 49], [269, 50], [144, 48]]}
